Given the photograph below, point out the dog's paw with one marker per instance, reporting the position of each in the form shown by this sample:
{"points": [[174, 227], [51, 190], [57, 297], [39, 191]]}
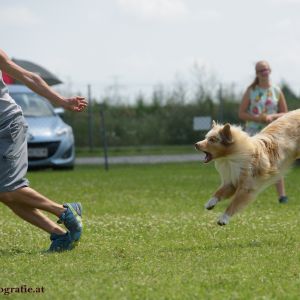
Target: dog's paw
{"points": [[223, 220], [211, 203]]}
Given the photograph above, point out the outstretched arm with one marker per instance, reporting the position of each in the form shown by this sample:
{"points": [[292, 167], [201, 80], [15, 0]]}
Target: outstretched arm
{"points": [[38, 85]]}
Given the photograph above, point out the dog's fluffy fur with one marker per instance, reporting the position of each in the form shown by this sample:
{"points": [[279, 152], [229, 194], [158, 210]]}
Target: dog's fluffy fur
{"points": [[247, 164]]}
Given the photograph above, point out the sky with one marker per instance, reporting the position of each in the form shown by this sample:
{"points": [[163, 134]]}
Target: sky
{"points": [[138, 44]]}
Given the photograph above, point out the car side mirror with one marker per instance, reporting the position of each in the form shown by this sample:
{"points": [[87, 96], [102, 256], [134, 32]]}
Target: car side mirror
{"points": [[59, 111]]}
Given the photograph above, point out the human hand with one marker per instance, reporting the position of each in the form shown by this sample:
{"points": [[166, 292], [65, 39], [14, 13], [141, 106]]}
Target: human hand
{"points": [[269, 118], [262, 118], [76, 104]]}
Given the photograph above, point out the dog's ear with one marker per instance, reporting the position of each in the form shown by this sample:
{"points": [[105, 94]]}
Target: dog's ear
{"points": [[213, 124], [226, 135]]}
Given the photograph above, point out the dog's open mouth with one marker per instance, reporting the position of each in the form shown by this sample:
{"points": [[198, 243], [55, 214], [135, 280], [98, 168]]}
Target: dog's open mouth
{"points": [[206, 157]]}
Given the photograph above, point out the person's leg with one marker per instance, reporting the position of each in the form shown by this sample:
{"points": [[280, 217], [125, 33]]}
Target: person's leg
{"points": [[26, 202], [35, 217], [68, 214], [280, 187], [31, 198]]}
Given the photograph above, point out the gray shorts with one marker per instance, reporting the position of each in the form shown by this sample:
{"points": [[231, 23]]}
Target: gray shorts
{"points": [[13, 154]]}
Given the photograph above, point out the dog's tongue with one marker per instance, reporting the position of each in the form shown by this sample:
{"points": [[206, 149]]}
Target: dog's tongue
{"points": [[202, 156], [205, 157], [208, 157]]}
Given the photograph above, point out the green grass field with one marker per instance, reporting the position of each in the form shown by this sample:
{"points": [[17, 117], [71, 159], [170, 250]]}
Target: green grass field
{"points": [[147, 236]]}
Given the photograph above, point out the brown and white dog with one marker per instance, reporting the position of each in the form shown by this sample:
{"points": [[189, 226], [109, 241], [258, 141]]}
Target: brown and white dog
{"points": [[247, 164]]}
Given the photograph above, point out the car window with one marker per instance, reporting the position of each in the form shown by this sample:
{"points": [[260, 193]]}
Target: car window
{"points": [[33, 105]]}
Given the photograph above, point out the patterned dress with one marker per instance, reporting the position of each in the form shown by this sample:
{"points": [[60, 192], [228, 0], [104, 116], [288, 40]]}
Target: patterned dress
{"points": [[262, 101]]}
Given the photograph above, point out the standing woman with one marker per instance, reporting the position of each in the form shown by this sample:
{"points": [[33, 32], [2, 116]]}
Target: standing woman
{"points": [[263, 103], [15, 192]]}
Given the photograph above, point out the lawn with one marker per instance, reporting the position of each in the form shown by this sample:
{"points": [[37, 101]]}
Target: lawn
{"points": [[147, 236]]}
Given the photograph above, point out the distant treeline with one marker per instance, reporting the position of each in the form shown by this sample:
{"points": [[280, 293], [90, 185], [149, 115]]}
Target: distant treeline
{"points": [[167, 119]]}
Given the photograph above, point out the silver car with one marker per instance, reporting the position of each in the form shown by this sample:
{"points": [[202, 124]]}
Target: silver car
{"points": [[50, 140]]}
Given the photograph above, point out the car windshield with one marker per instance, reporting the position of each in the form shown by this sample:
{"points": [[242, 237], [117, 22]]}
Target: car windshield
{"points": [[33, 105]]}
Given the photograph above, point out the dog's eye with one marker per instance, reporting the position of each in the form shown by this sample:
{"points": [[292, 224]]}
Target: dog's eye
{"points": [[213, 139]]}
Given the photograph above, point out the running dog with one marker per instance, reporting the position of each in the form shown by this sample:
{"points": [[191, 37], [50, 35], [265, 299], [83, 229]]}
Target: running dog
{"points": [[247, 165]]}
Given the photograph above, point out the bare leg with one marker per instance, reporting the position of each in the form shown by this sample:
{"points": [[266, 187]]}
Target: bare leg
{"points": [[280, 187], [35, 217], [223, 192], [32, 198], [26, 202]]}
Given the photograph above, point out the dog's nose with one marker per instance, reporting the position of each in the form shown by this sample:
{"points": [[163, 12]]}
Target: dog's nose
{"points": [[196, 146]]}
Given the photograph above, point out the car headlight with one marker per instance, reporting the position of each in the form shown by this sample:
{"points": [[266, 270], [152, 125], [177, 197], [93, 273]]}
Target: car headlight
{"points": [[63, 131]]}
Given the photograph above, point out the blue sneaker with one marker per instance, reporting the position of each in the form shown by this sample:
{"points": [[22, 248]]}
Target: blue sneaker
{"points": [[71, 218], [60, 242]]}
